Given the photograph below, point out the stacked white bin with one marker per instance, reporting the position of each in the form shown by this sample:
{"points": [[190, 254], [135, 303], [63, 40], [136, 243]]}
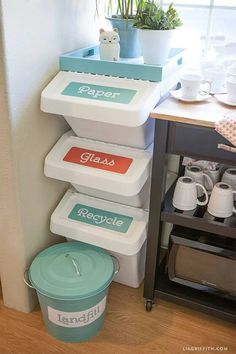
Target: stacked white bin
{"points": [[119, 228], [110, 170], [104, 108], [102, 170]]}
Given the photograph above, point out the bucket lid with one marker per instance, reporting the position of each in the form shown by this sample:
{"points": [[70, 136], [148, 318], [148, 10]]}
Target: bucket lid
{"points": [[105, 167], [71, 270]]}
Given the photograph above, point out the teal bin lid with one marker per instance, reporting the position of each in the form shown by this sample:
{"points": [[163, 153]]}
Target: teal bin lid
{"points": [[71, 270]]}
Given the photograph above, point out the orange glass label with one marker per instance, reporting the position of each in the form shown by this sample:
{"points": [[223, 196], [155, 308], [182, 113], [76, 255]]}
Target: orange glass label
{"points": [[97, 159]]}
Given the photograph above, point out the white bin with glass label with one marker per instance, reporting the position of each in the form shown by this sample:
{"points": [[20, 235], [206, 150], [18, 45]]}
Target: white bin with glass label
{"points": [[106, 108], [112, 172], [120, 229]]}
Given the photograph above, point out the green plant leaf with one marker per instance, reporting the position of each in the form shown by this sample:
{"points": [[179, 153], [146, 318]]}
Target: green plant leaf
{"points": [[150, 15]]}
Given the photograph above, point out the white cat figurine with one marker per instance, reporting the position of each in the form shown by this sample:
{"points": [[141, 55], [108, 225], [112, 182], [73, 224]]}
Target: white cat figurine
{"points": [[109, 45]]}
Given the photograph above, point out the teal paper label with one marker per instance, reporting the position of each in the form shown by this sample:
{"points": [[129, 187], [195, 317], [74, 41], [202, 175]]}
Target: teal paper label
{"points": [[100, 93], [100, 218]]}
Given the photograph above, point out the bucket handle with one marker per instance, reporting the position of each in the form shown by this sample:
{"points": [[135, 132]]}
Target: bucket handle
{"points": [[26, 279], [75, 263], [117, 263]]}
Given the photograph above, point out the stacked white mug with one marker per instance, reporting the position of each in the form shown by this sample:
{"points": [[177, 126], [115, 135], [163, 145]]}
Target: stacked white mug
{"points": [[198, 182], [186, 194], [199, 176], [229, 177], [221, 203]]}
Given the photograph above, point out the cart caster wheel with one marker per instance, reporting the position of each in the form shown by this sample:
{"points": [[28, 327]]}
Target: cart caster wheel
{"points": [[148, 305]]}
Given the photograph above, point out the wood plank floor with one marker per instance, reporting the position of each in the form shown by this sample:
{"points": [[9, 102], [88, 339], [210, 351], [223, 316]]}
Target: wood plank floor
{"points": [[168, 329]]}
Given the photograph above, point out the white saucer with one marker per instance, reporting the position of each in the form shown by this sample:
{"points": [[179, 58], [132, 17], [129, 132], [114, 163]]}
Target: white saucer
{"points": [[178, 95], [223, 98], [221, 91]]}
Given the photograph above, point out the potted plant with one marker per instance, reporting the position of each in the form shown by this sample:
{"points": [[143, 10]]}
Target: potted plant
{"points": [[155, 28], [121, 15]]}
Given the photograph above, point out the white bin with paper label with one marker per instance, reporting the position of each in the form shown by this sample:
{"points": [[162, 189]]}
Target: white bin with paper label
{"points": [[120, 229], [102, 170], [105, 108]]}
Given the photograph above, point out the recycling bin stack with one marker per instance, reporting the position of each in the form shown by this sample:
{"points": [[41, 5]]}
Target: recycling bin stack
{"points": [[106, 158]]}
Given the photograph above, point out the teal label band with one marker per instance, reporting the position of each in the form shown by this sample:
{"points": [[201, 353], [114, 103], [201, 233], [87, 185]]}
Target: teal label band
{"points": [[100, 218], [100, 93]]}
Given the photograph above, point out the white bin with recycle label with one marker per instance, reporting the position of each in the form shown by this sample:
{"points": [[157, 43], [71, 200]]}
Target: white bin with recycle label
{"points": [[107, 171], [120, 229], [105, 108]]}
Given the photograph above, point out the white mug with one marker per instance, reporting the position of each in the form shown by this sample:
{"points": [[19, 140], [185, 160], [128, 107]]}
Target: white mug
{"points": [[214, 175], [185, 194], [221, 203], [231, 88], [229, 177], [199, 176], [191, 86]]}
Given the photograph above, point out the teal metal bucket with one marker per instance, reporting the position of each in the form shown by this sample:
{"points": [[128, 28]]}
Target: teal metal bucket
{"points": [[72, 281]]}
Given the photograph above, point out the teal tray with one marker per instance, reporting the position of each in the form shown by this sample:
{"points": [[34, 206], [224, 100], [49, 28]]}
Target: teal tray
{"points": [[87, 60]]}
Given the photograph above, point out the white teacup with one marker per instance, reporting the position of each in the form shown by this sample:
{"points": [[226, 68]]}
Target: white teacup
{"points": [[185, 194], [192, 85], [231, 88], [199, 176], [229, 177], [221, 203]]}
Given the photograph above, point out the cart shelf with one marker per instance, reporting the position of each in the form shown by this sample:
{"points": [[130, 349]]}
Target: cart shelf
{"points": [[196, 299], [198, 218]]}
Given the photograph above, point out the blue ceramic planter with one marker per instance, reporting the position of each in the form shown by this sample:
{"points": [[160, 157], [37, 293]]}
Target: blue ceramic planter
{"points": [[129, 41]]}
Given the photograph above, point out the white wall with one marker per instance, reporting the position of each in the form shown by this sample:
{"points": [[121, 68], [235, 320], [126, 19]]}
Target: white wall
{"points": [[35, 33]]}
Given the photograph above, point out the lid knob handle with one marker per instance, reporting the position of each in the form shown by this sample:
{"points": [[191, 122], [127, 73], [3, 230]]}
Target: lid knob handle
{"points": [[75, 263]]}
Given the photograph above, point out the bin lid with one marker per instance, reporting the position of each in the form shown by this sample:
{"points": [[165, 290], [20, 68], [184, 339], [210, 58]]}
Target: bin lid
{"points": [[102, 166], [115, 227], [71, 270], [100, 98]]}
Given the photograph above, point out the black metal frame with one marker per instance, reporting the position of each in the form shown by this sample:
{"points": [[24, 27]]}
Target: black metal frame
{"points": [[197, 142]]}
